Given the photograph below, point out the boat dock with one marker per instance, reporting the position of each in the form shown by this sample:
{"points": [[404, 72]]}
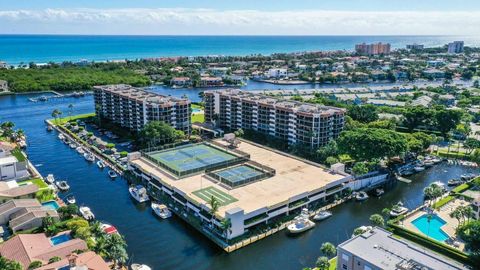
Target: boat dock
{"points": [[98, 156], [59, 96]]}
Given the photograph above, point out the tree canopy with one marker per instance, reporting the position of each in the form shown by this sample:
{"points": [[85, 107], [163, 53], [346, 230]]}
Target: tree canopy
{"points": [[156, 132], [364, 114], [371, 143]]}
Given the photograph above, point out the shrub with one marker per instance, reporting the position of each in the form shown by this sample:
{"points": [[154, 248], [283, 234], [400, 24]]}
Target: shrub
{"points": [[35, 264]]}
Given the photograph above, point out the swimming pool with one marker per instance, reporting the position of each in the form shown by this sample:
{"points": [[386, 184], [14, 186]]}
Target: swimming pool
{"points": [[196, 110], [51, 205], [431, 228], [62, 238]]}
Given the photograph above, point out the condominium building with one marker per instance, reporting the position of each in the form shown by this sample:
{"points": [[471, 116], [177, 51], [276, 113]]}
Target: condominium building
{"points": [[373, 49], [133, 108], [378, 249], [292, 121], [455, 47], [415, 46]]}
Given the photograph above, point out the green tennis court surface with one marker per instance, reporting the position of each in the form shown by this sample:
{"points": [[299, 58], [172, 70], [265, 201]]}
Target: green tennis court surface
{"points": [[238, 174], [191, 157], [207, 193]]}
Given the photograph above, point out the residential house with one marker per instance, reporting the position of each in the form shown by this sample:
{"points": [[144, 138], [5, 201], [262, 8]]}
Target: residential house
{"points": [[11, 167], [3, 86], [3, 64], [24, 214], [83, 261], [181, 82], [434, 73], [424, 101], [211, 81], [26, 248], [11, 190], [277, 73], [378, 75]]}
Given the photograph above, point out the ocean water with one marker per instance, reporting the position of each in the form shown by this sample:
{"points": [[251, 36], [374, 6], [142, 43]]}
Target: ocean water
{"points": [[15, 49]]}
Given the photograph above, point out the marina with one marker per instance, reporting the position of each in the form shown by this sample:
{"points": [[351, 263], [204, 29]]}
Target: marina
{"points": [[172, 243]]}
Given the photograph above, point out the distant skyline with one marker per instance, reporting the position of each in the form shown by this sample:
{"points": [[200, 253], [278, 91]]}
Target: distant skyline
{"points": [[245, 17]]}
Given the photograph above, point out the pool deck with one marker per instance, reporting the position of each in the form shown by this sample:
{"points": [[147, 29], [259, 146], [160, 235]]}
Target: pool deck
{"points": [[443, 213], [293, 177]]}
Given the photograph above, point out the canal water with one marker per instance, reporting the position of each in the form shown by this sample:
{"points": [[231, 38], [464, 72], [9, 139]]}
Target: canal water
{"points": [[172, 244]]}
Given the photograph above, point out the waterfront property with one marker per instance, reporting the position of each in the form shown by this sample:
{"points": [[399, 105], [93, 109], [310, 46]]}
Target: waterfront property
{"points": [[13, 164], [292, 121], [378, 249], [24, 214], [133, 108], [254, 185]]}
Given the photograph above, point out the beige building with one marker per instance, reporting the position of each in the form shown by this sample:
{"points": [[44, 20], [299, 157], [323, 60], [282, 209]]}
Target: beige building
{"points": [[3, 86]]}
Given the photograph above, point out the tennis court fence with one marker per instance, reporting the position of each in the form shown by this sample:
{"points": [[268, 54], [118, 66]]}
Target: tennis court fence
{"points": [[240, 157], [266, 172]]}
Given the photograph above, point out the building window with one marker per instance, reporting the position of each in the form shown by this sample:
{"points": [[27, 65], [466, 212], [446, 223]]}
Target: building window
{"points": [[344, 266], [367, 268], [345, 257]]}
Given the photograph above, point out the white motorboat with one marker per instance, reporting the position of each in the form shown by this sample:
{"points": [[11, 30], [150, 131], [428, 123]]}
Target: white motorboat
{"points": [[73, 145], [398, 210], [300, 224], [428, 163], [361, 230], [137, 266], [70, 199], [436, 160], [161, 210], [62, 185], [379, 192], [454, 182], [441, 185], [50, 179], [60, 136], [49, 128], [322, 215], [80, 150], [361, 196], [86, 213], [139, 193], [100, 164], [419, 168], [108, 228], [89, 157], [112, 174]]}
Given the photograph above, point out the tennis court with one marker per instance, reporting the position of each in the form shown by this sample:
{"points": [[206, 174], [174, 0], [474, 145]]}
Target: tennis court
{"points": [[239, 174], [191, 158], [207, 193]]}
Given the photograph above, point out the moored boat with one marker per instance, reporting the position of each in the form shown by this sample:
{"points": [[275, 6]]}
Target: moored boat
{"points": [[398, 210], [49, 128], [139, 193], [62, 185], [100, 164], [61, 136], [301, 223], [112, 174], [86, 213], [379, 192], [109, 229], [161, 210], [322, 215], [454, 182], [89, 157], [70, 199], [80, 150], [419, 168], [50, 179], [137, 266], [361, 196], [73, 145]]}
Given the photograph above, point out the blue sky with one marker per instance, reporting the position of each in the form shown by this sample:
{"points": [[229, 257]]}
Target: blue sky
{"points": [[227, 17]]}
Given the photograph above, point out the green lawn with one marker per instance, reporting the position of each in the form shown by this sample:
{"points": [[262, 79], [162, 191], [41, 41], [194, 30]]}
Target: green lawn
{"points": [[333, 263], [17, 153], [207, 193], [61, 121], [37, 181], [443, 201], [198, 118]]}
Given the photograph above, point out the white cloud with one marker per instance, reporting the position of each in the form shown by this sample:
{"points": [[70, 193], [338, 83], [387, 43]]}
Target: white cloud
{"points": [[233, 22]]}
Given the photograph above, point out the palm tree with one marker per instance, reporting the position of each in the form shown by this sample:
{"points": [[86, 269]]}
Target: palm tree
{"points": [[55, 115], [214, 205], [70, 110], [96, 229], [322, 263], [432, 192], [328, 249], [226, 225], [115, 247], [9, 265]]}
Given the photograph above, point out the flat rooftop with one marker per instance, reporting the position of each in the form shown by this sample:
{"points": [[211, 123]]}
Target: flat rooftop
{"points": [[381, 249], [293, 178]]}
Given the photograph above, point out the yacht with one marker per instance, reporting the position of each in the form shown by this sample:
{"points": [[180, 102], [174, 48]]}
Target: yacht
{"points": [[428, 163], [436, 160], [454, 182], [161, 210], [80, 150], [361, 196], [322, 215], [139, 193], [49, 128], [73, 145], [301, 223], [100, 164], [398, 210], [112, 174], [50, 179], [89, 157], [60, 136], [137, 266], [62, 185], [86, 213], [70, 199], [441, 185]]}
